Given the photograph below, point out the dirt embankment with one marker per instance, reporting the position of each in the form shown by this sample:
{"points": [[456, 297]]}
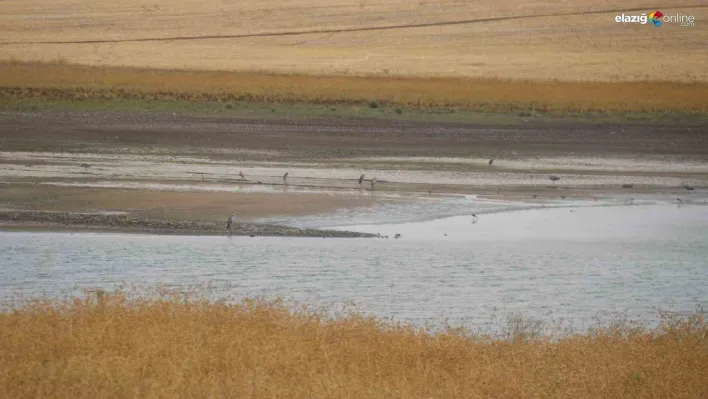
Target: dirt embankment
{"points": [[29, 220], [279, 140]]}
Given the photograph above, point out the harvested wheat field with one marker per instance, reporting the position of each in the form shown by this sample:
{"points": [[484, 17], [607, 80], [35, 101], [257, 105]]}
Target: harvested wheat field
{"points": [[534, 40], [562, 57], [112, 346]]}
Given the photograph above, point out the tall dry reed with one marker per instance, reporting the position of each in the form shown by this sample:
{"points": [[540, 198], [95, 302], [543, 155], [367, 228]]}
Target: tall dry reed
{"points": [[108, 345]]}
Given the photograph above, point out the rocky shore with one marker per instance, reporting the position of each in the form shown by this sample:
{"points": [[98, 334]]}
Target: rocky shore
{"points": [[32, 220]]}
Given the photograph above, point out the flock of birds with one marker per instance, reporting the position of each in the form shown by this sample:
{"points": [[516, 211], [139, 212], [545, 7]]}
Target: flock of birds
{"points": [[552, 178], [475, 219], [285, 179]]}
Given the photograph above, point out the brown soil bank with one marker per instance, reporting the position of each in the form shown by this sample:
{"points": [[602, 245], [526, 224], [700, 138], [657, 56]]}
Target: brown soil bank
{"points": [[171, 205], [110, 346], [108, 222], [277, 140]]}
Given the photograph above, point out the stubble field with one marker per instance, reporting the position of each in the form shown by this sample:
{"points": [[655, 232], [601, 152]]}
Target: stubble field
{"points": [[559, 57], [536, 40]]}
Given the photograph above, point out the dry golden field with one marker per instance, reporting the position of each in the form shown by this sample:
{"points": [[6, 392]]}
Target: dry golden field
{"points": [[541, 40], [61, 82], [110, 346]]}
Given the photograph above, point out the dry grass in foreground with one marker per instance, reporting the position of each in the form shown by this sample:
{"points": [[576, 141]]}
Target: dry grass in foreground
{"points": [[65, 82], [112, 346]]}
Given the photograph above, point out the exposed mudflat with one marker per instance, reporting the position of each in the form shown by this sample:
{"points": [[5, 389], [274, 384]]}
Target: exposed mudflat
{"points": [[22, 220], [201, 168], [276, 140]]}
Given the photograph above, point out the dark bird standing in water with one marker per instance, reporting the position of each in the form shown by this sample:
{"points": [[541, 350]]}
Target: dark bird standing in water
{"points": [[229, 221], [491, 161], [285, 178], [361, 179]]}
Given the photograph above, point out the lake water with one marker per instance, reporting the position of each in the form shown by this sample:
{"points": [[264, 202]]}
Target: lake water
{"points": [[581, 264]]}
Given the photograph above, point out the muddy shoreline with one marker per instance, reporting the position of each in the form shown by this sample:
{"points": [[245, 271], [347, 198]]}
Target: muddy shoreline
{"points": [[182, 174], [288, 140], [98, 222]]}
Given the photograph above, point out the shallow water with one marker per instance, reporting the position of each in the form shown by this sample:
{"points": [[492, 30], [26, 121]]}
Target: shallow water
{"points": [[581, 266]]}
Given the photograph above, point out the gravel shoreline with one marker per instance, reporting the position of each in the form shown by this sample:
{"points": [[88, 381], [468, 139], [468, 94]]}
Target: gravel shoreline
{"points": [[32, 220]]}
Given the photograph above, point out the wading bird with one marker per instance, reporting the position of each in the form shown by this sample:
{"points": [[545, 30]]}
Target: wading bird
{"points": [[688, 187], [554, 179], [474, 218], [229, 221], [285, 178], [361, 179], [679, 200], [241, 175], [491, 161], [373, 183]]}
